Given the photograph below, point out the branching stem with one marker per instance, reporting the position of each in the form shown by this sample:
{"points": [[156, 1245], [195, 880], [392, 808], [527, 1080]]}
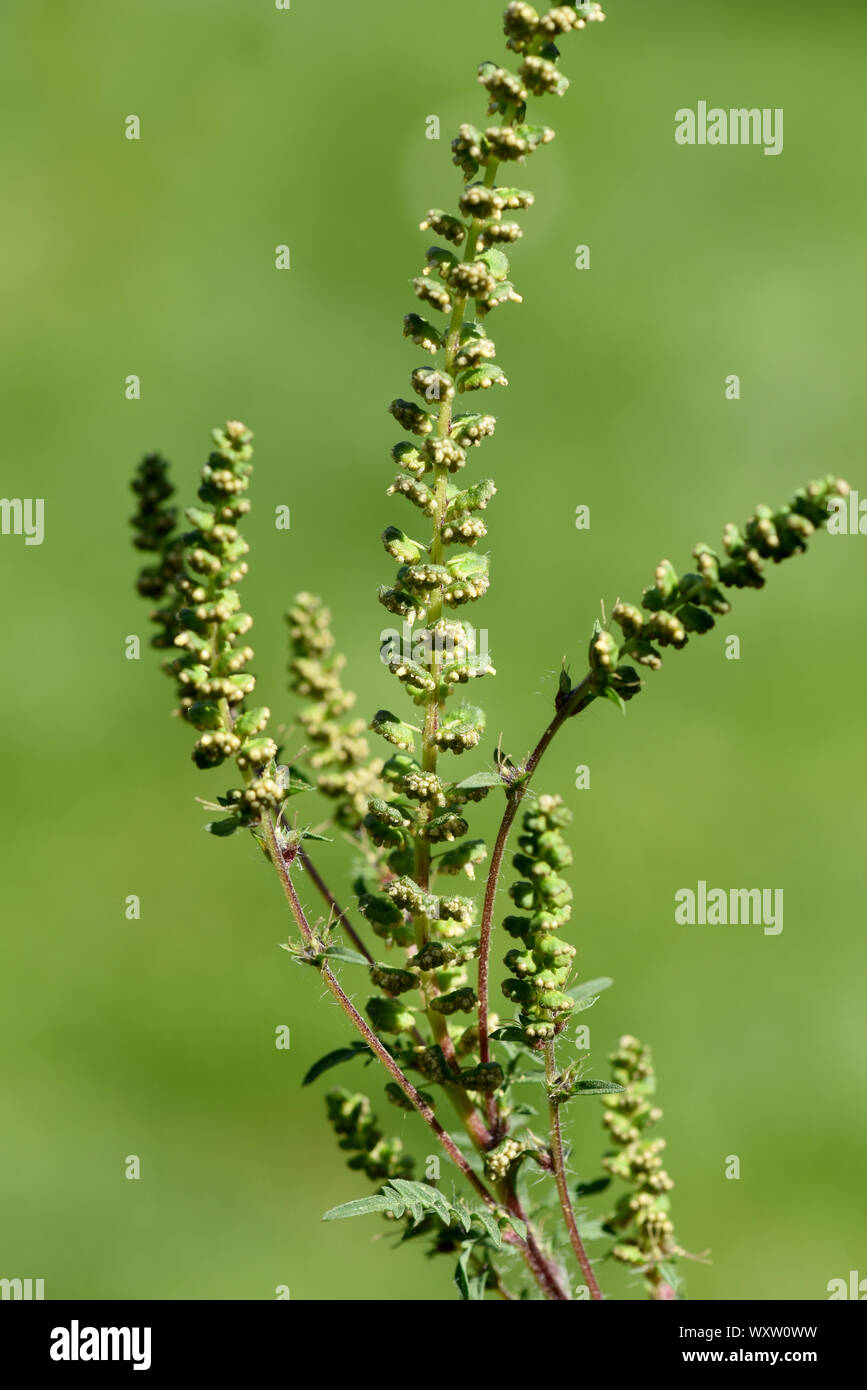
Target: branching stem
{"points": [[538, 1264], [577, 700]]}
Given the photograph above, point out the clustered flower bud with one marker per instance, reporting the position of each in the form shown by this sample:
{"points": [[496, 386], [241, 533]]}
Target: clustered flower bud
{"points": [[155, 525], [524, 27], [341, 756], [675, 608], [468, 285], [542, 967], [641, 1218], [500, 1161], [203, 623], [357, 1133]]}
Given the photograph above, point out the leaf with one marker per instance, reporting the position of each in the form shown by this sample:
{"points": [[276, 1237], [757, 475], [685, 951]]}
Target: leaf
{"points": [[459, 1209], [589, 1189], [223, 827], [519, 1226], [297, 775], [470, 1287], [592, 1230], [496, 260], [346, 953], [582, 1004], [611, 694], [480, 779], [334, 1059], [592, 1088], [671, 1275], [481, 378], [488, 1222], [415, 1207], [509, 1033], [360, 1207], [424, 1196], [588, 988]]}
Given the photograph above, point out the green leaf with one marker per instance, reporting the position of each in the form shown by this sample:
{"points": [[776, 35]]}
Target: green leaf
{"points": [[346, 953], [481, 378], [360, 1207], [593, 1088], [496, 260], [311, 834], [420, 1196], [509, 1033], [671, 1275], [488, 1222], [589, 1189], [470, 1287], [480, 779], [611, 694], [519, 1226], [197, 516], [588, 989], [296, 782], [695, 619], [334, 1059], [464, 1216], [223, 827], [592, 1230]]}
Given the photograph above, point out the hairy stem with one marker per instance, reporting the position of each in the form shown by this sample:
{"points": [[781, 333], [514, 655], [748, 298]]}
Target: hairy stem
{"points": [[558, 1156], [544, 1268], [434, 702], [578, 700], [536, 1261], [339, 915]]}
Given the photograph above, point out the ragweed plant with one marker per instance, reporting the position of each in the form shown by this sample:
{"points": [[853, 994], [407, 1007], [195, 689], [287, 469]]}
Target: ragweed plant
{"points": [[509, 1211]]}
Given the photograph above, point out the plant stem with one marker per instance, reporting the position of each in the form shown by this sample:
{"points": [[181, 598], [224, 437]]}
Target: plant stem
{"points": [[339, 914], [435, 702], [279, 861], [535, 1258], [543, 1268], [560, 1176], [577, 700]]}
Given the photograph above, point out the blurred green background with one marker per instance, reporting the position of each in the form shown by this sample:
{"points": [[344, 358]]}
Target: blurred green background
{"points": [[156, 257]]}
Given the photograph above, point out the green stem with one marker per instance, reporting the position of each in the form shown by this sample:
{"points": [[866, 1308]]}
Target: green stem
{"points": [[434, 702]]}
